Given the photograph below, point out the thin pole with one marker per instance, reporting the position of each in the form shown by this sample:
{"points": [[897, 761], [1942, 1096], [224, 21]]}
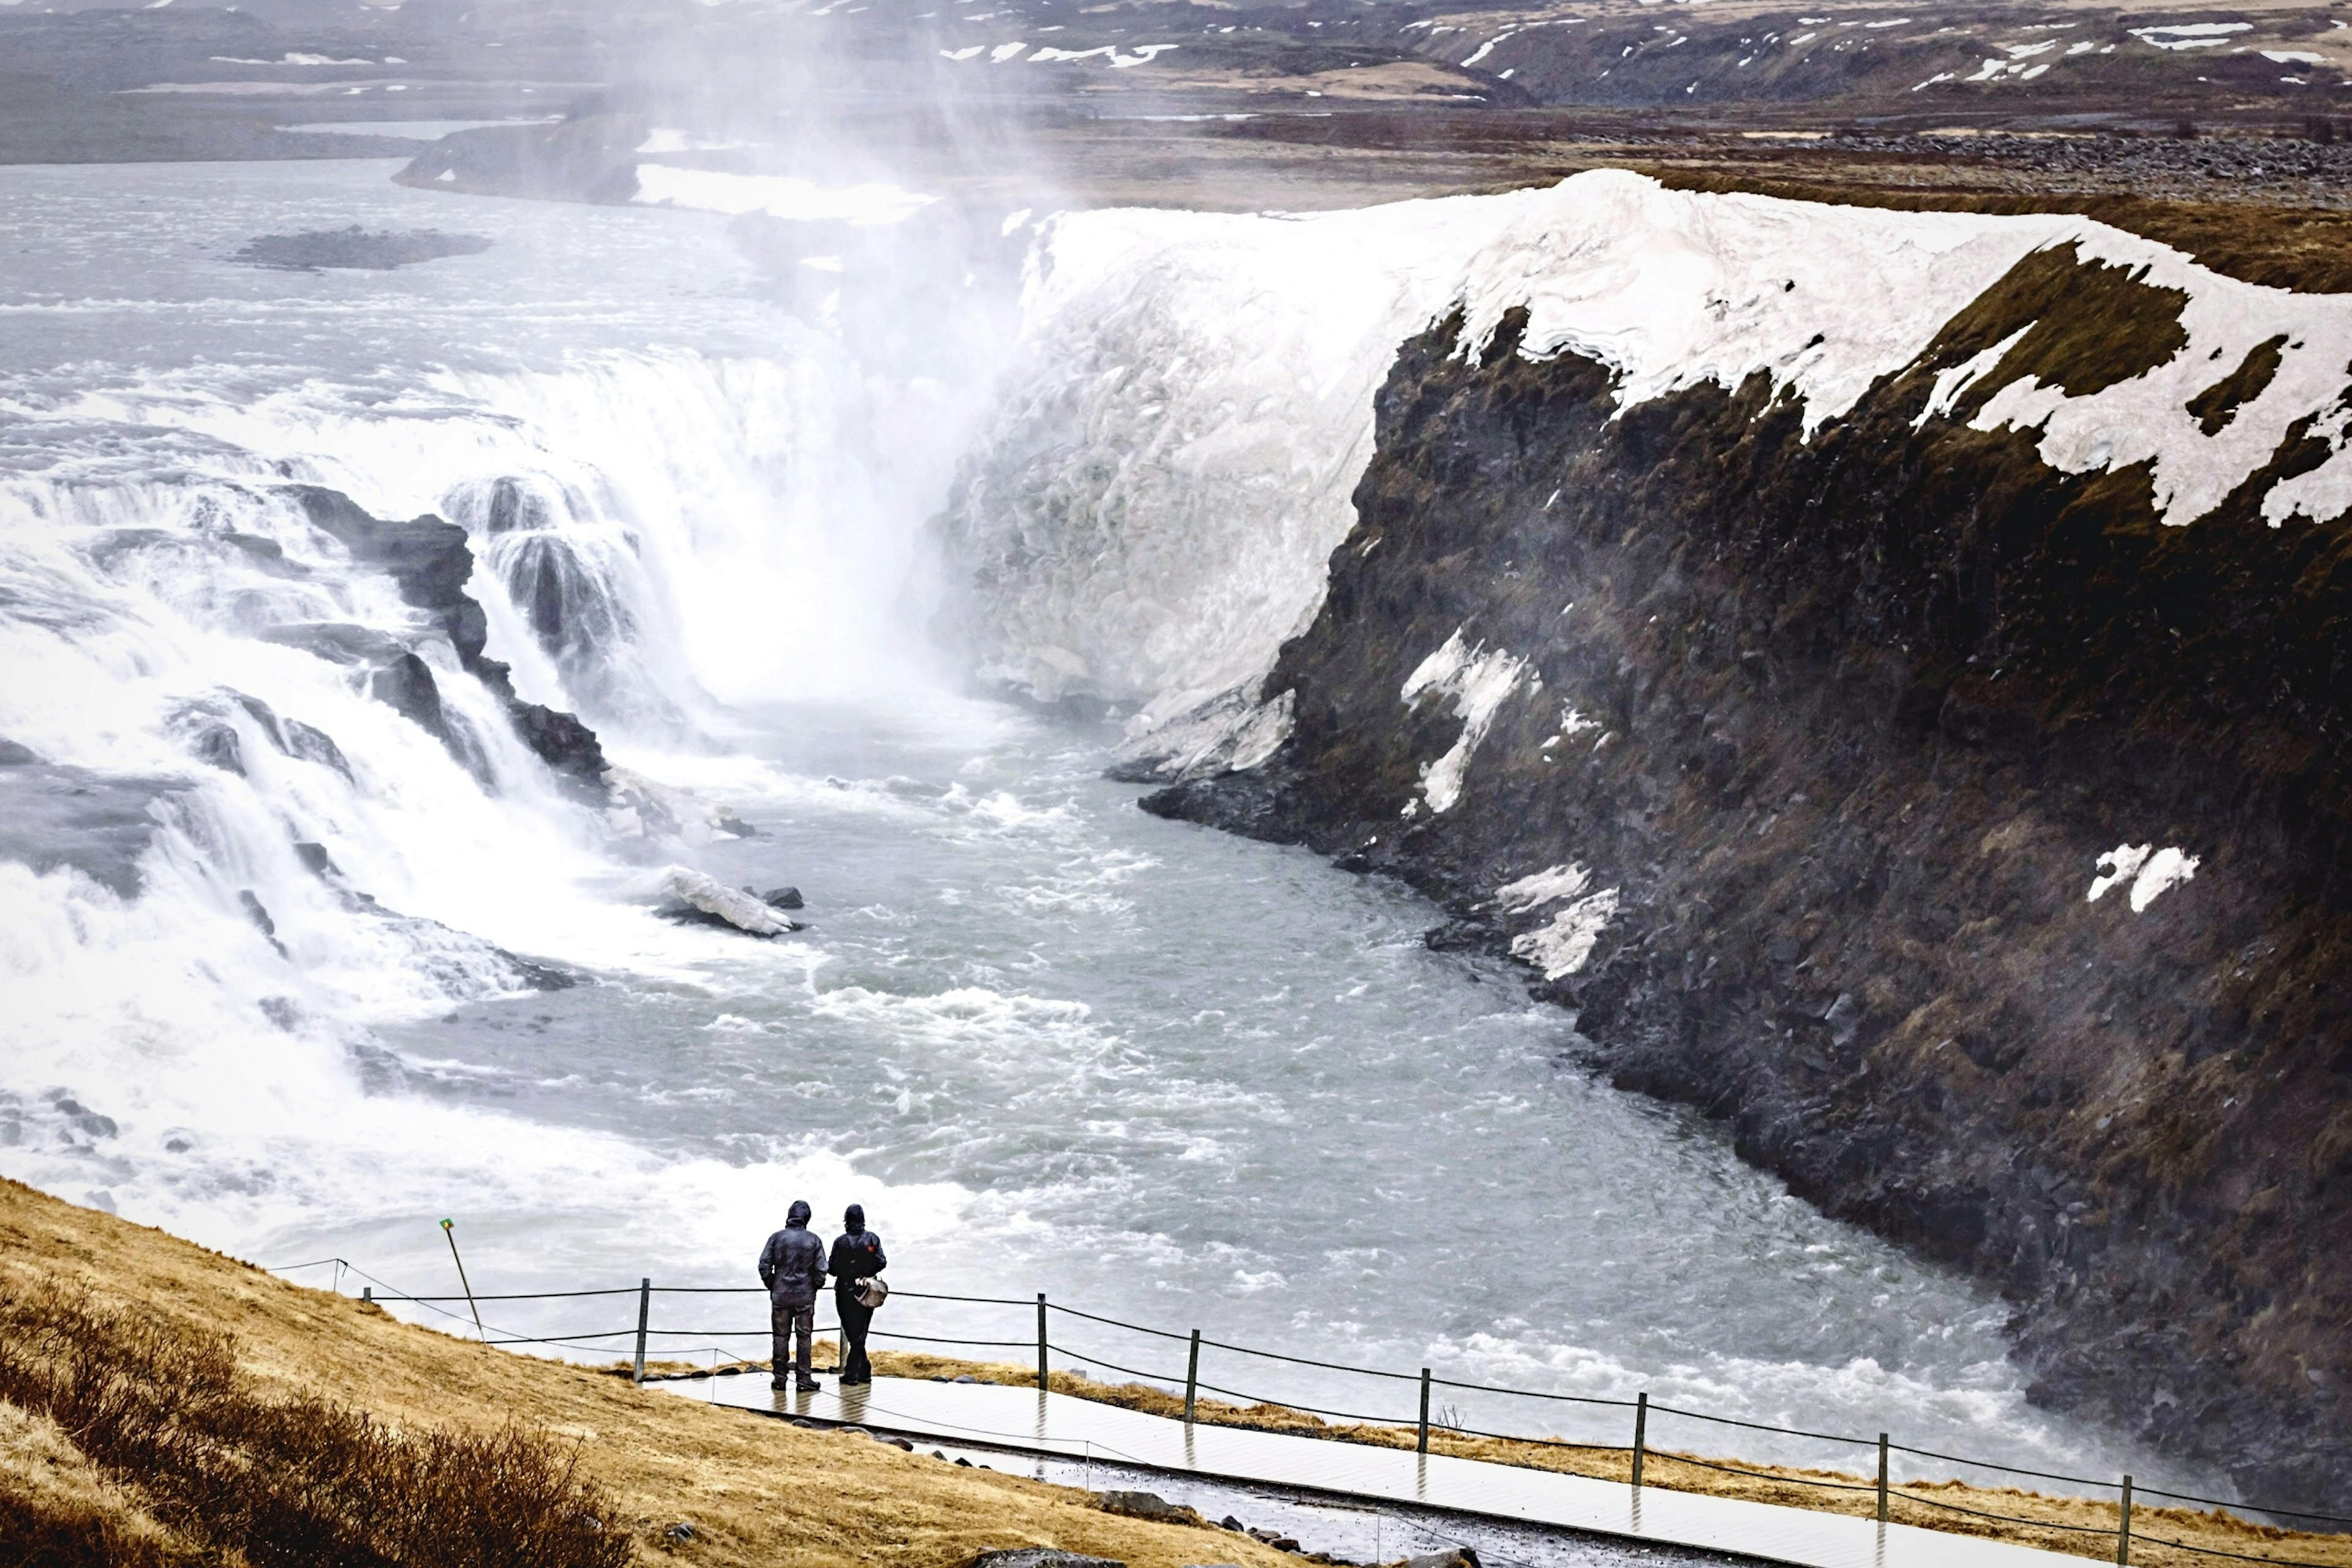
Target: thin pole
{"points": [[644, 1310], [1191, 1376], [2122, 1530], [1424, 1410], [1882, 1478], [367, 1293], [1041, 1341], [449, 1229], [1641, 1433]]}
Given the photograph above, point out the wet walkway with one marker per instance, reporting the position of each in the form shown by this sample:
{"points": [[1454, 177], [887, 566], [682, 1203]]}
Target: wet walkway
{"points": [[1067, 1427]]}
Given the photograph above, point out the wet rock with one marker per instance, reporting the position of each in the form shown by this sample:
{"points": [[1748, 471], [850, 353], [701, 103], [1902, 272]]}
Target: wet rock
{"points": [[216, 746], [543, 976], [374, 250], [255, 913], [53, 815], [313, 745], [680, 892], [782, 897], [1146, 1505], [406, 687], [588, 158], [1454, 1557], [430, 560]]}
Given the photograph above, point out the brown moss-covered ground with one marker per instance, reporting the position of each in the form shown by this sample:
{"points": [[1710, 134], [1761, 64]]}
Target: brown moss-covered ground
{"points": [[754, 1490]]}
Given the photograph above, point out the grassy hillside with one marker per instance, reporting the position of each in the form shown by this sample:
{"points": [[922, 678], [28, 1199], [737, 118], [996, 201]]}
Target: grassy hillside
{"points": [[358, 1439]]}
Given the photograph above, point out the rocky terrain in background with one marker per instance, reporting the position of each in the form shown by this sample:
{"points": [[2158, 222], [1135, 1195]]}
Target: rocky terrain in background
{"points": [[1788, 764]]}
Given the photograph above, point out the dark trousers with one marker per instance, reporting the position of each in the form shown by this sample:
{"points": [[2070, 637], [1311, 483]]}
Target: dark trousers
{"points": [[785, 1324], [855, 1319]]}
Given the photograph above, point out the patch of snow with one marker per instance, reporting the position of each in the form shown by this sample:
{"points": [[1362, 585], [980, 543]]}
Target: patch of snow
{"points": [[2294, 57], [2151, 872], [1003, 52], [2146, 419], [778, 195], [2190, 36], [1478, 681], [683, 884], [1565, 946], [1545, 887], [1228, 734], [2118, 864], [1951, 383]]}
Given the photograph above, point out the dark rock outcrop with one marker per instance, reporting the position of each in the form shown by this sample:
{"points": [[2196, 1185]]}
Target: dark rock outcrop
{"points": [[52, 815], [587, 158], [431, 560], [1841, 727], [355, 247]]}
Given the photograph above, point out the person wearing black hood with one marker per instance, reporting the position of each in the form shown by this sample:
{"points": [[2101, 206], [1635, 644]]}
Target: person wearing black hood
{"points": [[792, 1266], [856, 1259]]}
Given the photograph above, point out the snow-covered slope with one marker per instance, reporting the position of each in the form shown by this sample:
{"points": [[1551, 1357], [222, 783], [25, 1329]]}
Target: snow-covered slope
{"points": [[1152, 515]]}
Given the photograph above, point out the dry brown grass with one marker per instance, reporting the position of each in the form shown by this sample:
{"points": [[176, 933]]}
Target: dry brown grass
{"points": [[755, 1490], [1914, 1503]]}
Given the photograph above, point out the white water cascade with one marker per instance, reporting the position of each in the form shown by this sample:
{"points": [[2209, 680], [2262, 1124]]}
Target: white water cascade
{"points": [[1042, 1036]]}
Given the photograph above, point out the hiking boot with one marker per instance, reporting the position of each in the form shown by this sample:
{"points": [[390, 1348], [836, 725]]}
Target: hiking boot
{"points": [[811, 1386]]}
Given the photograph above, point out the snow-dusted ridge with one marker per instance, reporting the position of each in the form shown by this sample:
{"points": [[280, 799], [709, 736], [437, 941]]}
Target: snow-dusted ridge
{"points": [[1152, 512]]}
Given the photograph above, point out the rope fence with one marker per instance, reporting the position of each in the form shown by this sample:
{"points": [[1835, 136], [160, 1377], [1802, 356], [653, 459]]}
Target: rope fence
{"points": [[1885, 1490]]}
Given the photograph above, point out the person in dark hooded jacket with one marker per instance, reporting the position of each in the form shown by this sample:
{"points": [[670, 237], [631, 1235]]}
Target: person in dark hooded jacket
{"points": [[792, 1266], [857, 1259]]}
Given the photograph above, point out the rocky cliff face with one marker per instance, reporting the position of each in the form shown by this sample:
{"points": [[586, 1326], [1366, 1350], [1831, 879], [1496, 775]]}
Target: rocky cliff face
{"points": [[1974, 836]]}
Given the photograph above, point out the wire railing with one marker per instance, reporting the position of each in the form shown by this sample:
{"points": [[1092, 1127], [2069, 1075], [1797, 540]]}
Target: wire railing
{"points": [[642, 1338]]}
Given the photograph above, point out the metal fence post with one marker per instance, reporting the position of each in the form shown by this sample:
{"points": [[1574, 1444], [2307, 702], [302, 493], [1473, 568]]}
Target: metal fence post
{"points": [[1191, 1376], [2123, 1529], [1041, 1341], [1641, 1433], [367, 1293], [1882, 1478], [1424, 1411], [449, 1229], [644, 1310]]}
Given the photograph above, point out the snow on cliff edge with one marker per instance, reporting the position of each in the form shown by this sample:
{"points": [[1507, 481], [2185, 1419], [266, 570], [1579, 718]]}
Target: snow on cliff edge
{"points": [[1150, 518]]}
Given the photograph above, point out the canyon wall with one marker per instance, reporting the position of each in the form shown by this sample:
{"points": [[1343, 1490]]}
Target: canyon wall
{"points": [[1886, 674]]}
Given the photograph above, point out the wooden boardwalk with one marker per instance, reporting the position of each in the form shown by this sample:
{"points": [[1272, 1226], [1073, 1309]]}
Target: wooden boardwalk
{"points": [[1064, 1427]]}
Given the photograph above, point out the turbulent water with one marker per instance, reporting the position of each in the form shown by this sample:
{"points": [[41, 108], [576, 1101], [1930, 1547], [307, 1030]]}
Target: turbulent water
{"points": [[1051, 1043]]}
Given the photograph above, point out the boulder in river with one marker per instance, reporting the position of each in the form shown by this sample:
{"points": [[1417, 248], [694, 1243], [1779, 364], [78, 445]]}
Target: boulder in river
{"points": [[679, 890], [1148, 1505]]}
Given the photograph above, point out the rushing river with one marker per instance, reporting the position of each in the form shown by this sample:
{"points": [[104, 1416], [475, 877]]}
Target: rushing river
{"points": [[1051, 1043]]}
